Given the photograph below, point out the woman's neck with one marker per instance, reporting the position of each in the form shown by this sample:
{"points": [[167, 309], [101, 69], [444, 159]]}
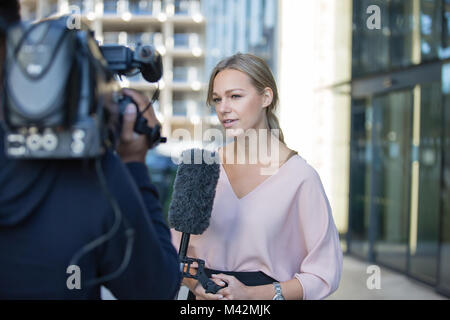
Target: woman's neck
{"points": [[255, 147]]}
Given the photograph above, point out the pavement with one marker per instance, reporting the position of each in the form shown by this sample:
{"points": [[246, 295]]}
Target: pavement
{"points": [[356, 281]]}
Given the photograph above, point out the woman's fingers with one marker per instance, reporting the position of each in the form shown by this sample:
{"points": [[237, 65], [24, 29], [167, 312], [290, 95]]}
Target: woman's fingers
{"points": [[218, 282], [225, 291], [211, 296], [199, 291], [224, 277]]}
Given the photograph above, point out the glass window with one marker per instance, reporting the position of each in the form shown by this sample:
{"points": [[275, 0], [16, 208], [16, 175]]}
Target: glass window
{"points": [[373, 49], [179, 108], [410, 33], [181, 40], [245, 26], [430, 28], [399, 33], [182, 7], [140, 7], [110, 6], [445, 52], [180, 73], [78, 4]]}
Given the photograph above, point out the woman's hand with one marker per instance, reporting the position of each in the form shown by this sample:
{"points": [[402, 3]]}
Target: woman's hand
{"points": [[235, 290], [201, 294], [196, 287]]}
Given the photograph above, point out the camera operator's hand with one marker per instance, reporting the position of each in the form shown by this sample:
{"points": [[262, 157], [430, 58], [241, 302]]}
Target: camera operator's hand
{"points": [[132, 146]]}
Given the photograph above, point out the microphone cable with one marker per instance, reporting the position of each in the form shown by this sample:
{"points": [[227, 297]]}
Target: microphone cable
{"points": [[119, 217]]}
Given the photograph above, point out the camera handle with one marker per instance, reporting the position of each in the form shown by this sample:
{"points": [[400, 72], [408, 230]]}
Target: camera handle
{"points": [[153, 134]]}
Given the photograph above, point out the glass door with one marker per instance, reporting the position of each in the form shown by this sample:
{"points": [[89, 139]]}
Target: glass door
{"points": [[398, 177], [360, 163], [390, 177], [426, 183]]}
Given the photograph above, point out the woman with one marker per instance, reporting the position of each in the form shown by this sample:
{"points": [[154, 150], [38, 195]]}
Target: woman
{"points": [[279, 225]]}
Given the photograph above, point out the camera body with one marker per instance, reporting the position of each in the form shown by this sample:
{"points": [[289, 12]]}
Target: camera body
{"points": [[61, 98]]}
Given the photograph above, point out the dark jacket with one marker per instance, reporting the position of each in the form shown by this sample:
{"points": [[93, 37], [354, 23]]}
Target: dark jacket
{"points": [[51, 209]]}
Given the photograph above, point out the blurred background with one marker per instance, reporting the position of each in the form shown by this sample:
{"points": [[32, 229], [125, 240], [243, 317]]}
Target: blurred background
{"points": [[367, 105]]}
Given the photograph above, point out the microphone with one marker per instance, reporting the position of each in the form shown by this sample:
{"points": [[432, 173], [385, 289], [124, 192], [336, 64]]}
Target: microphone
{"points": [[192, 202]]}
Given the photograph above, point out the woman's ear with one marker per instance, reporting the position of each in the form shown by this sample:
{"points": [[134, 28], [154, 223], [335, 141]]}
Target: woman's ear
{"points": [[267, 96]]}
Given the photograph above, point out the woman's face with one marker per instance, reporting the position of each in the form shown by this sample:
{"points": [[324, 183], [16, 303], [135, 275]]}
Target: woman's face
{"points": [[238, 104]]}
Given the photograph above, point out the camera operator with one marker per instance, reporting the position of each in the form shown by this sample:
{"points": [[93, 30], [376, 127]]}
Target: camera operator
{"points": [[50, 209]]}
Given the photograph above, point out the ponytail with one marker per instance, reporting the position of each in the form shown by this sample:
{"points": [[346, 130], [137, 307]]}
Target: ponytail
{"points": [[274, 123]]}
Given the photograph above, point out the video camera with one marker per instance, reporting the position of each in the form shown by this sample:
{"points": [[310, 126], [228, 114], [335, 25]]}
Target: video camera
{"points": [[61, 97]]}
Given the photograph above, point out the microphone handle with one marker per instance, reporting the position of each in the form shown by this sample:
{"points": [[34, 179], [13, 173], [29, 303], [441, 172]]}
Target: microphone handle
{"points": [[182, 253], [209, 285], [184, 245]]}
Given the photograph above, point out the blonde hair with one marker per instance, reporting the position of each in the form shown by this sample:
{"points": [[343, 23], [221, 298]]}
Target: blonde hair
{"points": [[261, 77]]}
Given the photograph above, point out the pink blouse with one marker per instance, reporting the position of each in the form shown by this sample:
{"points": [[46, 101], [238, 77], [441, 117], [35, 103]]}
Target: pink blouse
{"points": [[283, 227]]}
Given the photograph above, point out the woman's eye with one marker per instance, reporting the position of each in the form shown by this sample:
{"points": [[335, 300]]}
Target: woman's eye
{"points": [[234, 96], [215, 100]]}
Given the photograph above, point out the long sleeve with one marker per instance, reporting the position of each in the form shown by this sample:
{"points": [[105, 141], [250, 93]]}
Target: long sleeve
{"points": [[320, 270], [149, 194], [283, 228], [140, 174], [152, 272]]}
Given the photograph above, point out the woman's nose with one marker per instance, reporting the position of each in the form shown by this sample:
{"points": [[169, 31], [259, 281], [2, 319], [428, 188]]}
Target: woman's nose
{"points": [[224, 106]]}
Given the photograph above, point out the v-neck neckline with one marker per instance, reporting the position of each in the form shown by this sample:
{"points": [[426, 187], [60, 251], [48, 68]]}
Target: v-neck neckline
{"points": [[259, 185]]}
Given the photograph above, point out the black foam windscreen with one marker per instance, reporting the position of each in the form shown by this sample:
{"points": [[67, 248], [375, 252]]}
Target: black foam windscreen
{"points": [[194, 191]]}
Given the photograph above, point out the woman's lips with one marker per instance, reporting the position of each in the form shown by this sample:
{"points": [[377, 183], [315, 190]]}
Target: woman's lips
{"points": [[229, 123]]}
